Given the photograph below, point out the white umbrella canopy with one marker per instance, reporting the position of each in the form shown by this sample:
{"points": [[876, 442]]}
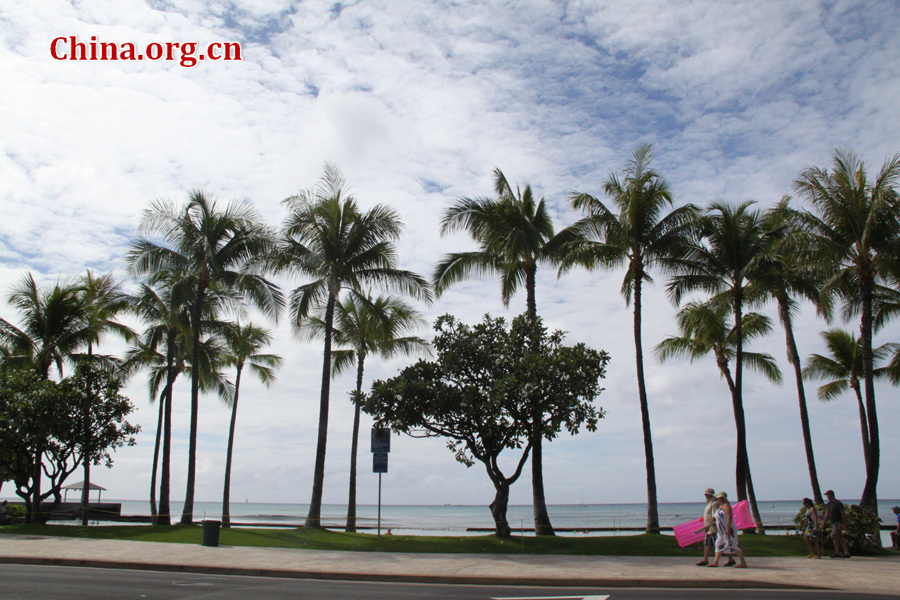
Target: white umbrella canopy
{"points": [[80, 486]]}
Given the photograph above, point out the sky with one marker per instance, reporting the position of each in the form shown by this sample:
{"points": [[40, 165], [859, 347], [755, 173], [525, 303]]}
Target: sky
{"points": [[417, 102]]}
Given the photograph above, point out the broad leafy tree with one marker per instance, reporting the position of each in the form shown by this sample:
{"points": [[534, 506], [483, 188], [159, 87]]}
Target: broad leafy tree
{"points": [[48, 429], [643, 232], [243, 349], [213, 250], [330, 242], [364, 326], [512, 232], [481, 390], [854, 227]]}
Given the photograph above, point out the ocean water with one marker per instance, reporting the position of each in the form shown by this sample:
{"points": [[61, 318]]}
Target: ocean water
{"points": [[476, 520]]}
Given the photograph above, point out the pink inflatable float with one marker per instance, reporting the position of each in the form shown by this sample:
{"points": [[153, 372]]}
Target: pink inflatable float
{"points": [[692, 531]]}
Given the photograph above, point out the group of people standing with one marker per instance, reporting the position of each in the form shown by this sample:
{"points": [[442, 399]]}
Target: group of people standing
{"points": [[812, 527], [721, 532]]}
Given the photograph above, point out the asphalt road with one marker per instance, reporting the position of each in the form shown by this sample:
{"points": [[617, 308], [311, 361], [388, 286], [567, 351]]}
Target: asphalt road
{"points": [[19, 582]]}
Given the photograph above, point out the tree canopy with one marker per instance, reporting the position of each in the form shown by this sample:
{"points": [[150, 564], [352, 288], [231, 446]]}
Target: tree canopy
{"points": [[49, 429], [481, 393]]}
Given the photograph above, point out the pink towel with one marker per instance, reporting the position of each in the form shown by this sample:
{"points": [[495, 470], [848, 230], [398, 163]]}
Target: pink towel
{"points": [[686, 533], [741, 515]]}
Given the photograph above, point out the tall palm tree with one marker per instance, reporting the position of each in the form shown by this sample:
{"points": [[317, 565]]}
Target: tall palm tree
{"points": [[164, 309], [643, 232], [844, 366], [723, 263], [705, 330], [512, 232], [364, 326], [331, 242], [783, 276], [103, 300], [243, 345], [221, 251], [53, 326], [854, 226]]}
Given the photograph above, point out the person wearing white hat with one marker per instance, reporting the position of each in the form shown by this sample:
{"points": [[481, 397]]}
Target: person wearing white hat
{"points": [[726, 535], [709, 525]]}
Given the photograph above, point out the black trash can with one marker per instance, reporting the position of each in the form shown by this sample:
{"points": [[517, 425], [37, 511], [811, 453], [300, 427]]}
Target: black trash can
{"points": [[211, 533]]}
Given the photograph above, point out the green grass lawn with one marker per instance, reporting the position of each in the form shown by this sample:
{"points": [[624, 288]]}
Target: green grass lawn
{"points": [[312, 539]]}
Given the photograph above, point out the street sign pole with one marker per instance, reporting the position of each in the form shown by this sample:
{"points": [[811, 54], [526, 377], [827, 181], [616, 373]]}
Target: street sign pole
{"points": [[381, 445]]}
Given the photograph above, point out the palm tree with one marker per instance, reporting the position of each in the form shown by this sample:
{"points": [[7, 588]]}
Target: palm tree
{"points": [[844, 366], [103, 300], [642, 235], [854, 227], [215, 252], [782, 276], [52, 329], [724, 263], [512, 232], [705, 330], [244, 343], [364, 326], [165, 310], [329, 240]]}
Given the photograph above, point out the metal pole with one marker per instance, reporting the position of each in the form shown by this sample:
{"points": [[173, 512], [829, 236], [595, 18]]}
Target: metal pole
{"points": [[379, 505]]}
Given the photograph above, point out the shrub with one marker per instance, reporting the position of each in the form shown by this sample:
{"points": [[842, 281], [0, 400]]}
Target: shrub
{"points": [[861, 529]]}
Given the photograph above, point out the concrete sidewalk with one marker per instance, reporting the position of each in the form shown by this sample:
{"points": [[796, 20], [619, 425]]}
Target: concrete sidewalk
{"points": [[881, 575]]}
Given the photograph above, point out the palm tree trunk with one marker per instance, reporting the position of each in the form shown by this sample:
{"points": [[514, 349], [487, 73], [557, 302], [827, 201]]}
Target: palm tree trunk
{"points": [[652, 507], [870, 494], [794, 358], [754, 507], [187, 514], [154, 471], [226, 494], [863, 422], [314, 518], [86, 492], [354, 448], [542, 524], [742, 458], [740, 474], [165, 512]]}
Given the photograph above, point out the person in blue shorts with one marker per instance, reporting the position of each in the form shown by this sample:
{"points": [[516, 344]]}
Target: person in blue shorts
{"points": [[895, 534]]}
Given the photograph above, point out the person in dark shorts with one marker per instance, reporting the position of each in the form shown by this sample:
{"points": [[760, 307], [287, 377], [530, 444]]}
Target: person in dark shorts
{"points": [[709, 526], [834, 512]]}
